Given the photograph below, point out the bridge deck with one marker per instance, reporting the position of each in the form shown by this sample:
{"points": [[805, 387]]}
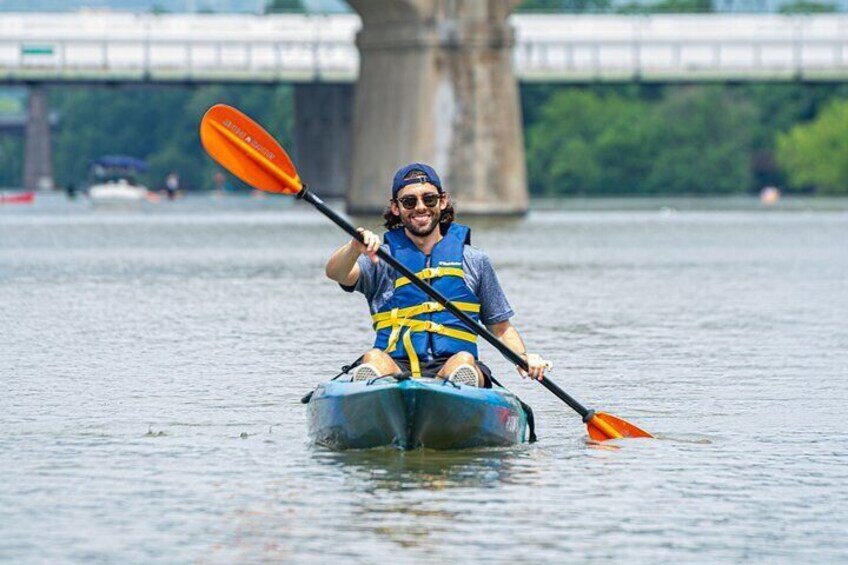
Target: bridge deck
{"points": [[112, 47]]}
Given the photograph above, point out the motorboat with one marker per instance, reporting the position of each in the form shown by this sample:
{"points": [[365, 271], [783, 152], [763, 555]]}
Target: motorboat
{"points": [[115, 182]]}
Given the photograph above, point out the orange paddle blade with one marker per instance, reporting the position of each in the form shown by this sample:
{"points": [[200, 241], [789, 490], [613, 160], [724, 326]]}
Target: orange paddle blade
{"points": [[249, 152], [605, 426]]}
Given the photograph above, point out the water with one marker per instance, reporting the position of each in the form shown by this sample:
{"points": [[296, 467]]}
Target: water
{"points": [[152, 365]]}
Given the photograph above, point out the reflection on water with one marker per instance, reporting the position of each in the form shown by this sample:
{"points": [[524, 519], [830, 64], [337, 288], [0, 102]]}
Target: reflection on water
{"points": [[381, 475], [153, 363], [392, 470]]}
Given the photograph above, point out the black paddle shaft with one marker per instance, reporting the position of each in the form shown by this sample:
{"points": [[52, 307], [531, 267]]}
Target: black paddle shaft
{"points": [[475, 327]]}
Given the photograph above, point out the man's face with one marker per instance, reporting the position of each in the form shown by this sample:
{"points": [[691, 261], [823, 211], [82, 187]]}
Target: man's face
{"points": [[421, 219]]}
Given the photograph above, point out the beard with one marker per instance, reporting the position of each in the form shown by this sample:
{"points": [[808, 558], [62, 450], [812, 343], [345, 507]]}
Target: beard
{"points": [[421, 229]]}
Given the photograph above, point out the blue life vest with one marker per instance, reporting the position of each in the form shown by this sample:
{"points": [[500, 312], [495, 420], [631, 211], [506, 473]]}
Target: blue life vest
{"points": [[411, 325]]}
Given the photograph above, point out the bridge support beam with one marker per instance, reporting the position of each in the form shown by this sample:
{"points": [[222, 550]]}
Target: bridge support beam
{"points": [[38, 156], [323, 135], [436, 85]]}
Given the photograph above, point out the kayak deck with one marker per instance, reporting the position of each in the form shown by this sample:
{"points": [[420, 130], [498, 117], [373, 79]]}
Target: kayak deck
{"points": [[413, 413]]}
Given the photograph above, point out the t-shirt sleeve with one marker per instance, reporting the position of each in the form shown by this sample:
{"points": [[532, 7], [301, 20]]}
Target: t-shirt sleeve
{"points": [[370, 278], [494, 307]]}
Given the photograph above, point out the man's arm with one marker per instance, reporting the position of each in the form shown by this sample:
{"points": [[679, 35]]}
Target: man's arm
{"points": [[495, 310], [510, 337], [342, 266]]}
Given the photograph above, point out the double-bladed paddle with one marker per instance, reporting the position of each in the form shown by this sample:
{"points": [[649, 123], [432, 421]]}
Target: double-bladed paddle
{"points": [[249, 152]]}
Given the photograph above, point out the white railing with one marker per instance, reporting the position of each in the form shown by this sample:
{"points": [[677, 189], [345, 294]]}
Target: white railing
{"points": [[689, 60], [120, 47], [683, 47], [173, 59]]}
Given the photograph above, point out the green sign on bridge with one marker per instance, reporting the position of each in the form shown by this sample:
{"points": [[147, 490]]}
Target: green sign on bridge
{"points": [[36, 49]]}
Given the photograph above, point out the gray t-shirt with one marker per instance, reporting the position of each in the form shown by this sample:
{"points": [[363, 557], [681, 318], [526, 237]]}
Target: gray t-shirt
{"points": [[377, 284]]}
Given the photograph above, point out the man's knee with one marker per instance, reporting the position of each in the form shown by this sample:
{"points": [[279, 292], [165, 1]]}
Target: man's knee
{"points": [[375, 356], [463, 358], [381, 361]]}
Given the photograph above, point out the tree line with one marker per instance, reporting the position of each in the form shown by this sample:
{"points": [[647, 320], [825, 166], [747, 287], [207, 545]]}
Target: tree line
{"points": [[591, 140], [692, 139]]}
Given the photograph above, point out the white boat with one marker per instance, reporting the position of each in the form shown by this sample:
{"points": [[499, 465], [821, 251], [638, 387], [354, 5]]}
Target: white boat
{"points": [[115, 182], [119, 191]]}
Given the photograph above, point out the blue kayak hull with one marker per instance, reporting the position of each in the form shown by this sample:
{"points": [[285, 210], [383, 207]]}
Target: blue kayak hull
{"points": [[413, 413]]}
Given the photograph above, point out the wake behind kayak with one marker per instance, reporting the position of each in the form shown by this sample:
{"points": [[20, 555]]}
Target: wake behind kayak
{"points": [[412, 413]]}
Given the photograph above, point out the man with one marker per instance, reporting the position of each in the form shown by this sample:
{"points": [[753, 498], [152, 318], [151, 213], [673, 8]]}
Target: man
{"points": [[415, 333]]}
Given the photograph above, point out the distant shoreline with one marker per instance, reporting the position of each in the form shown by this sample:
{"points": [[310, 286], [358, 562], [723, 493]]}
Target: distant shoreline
{"points": [[690, 203]]}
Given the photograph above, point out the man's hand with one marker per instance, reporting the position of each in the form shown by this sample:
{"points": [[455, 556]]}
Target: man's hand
{"points": [[537, 365], [342, 266], [371, 245]]}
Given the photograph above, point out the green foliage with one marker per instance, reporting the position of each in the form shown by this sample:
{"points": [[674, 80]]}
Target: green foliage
{"points": [[807, 7], [11, 106], [563, 6], [159, 125], [668, 7], [815, 154], [11, 161], [704, 142], [693, 140], [284, 7], [605, 6], [595, 140], [579, 138], [781, 106]]}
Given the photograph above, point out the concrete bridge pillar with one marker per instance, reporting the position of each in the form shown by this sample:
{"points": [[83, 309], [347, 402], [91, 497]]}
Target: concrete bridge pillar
{"points": [[323, 135], [436, 85], [38, 157]]}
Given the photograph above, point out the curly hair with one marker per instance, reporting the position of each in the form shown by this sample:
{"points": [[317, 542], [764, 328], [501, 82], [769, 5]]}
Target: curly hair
{"points": [[393, 222]]}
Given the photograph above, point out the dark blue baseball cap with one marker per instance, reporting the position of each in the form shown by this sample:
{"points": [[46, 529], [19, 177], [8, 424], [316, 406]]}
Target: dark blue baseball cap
{"points": [[428, 175]]}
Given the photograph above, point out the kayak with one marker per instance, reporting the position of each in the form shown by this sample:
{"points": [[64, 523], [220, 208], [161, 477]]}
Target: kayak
{"points": [[17, 197], [411, 413]]}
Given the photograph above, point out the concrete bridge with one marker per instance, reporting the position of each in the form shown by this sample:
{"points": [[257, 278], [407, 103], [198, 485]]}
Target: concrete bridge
{"points": [[106, 47], [436, 80]]}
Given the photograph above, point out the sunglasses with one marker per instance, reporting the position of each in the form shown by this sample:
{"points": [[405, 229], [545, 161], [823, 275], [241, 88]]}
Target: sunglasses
{"points": [[430, 200]]}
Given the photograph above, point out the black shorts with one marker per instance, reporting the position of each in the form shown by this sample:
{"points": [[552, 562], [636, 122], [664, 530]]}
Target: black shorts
{"points": [[430, 369]]}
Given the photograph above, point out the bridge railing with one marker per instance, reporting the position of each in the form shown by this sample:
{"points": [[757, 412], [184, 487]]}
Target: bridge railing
{"points": [[682, 47], [174, 59], [306, 49], [581, 60]]}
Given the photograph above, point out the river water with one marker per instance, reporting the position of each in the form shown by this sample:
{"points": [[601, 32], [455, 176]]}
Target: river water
{"points": [[152, 364]]}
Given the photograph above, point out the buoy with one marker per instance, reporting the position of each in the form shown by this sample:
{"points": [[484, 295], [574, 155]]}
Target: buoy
{"points": [[769, 195]]}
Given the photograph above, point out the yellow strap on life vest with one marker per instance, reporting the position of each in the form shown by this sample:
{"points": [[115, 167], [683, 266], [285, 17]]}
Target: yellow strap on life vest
{"points": [[427, 326], [423, 308], [393, 337], [432, 273], [403, 324], [414, 365]]}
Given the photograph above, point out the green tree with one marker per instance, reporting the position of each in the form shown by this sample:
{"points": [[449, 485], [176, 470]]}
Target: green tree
{"points": [[706, 135], [157, 124], [690, 140], [11, 161], [284, 7], [585, 143], [668, 7], [815, 154], [564, 6], [807, 7], [781, 106]]}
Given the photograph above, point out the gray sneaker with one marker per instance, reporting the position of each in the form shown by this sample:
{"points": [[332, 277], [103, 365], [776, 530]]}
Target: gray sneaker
{"points": [[365, 372], [464, 375]]}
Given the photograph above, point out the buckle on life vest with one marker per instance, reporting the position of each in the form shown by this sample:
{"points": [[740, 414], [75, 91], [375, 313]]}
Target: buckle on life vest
{"points": [[428, 307], [434, 327], [431, 273]]}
